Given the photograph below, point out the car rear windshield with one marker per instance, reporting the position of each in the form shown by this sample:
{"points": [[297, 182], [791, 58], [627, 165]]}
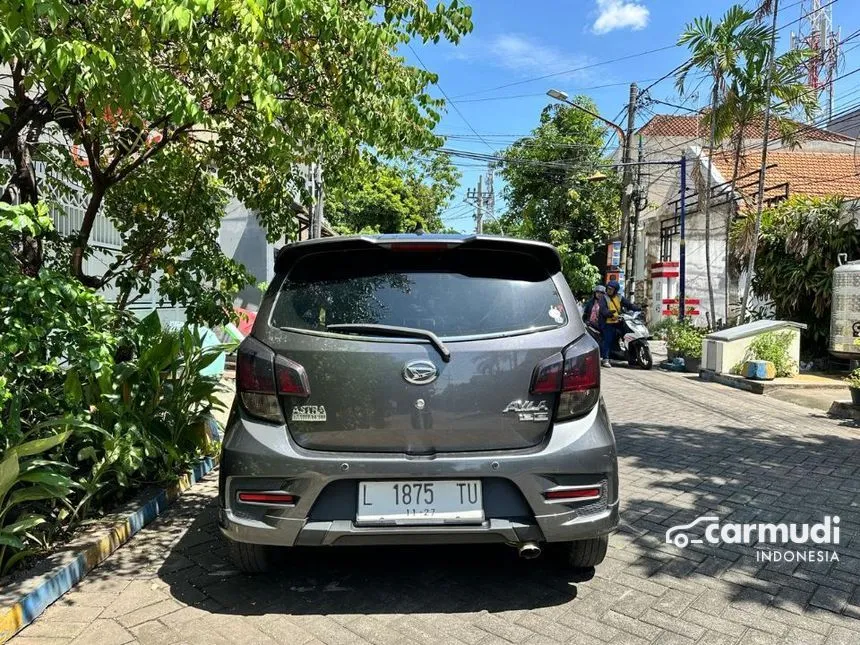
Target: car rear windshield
{"points": [[451, 293]]}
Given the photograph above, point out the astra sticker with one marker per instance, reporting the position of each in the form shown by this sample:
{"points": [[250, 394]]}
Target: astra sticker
{"points": [[308, 413], [528, 410]]}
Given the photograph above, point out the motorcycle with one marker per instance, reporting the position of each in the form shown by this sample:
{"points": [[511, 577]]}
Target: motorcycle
{"points": [[632, 344]]}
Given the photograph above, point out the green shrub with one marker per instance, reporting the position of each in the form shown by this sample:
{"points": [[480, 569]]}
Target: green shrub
{"points": [[663, 327], [149, 411], [795, 257], [773, 347], [853, 379], [686, 340], [93, 403]]}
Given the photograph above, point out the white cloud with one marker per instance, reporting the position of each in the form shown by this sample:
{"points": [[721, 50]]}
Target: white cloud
{"points": [[531, 58], [620, 14]]}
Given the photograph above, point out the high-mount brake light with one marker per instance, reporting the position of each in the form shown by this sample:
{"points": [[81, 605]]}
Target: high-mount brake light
{"points": [[418, 246]]}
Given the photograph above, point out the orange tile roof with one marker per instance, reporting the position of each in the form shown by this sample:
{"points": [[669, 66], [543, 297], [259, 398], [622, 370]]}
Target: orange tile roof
{"points": [[816, 174], [693, 125]]}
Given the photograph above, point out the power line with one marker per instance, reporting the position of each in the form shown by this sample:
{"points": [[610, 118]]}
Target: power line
{"points": [[520, 96], [813, 125], [567, 71], [780, 28], [453, 105]]}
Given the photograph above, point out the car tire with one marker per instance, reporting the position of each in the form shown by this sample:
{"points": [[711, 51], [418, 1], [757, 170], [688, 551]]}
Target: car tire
{"points": [[582, 554], [643, 356], [251, 558]]}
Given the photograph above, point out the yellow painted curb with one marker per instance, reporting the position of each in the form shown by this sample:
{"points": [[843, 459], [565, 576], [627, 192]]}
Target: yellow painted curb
{"points": [[13, 618]]}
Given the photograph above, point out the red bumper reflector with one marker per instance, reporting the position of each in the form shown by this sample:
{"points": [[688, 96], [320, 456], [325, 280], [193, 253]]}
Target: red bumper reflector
{"points": [[573, 493], [267, 498]]}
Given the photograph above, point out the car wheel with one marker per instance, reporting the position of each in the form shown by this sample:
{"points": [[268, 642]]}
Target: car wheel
{"points": [[251, 558], [581, 554]]}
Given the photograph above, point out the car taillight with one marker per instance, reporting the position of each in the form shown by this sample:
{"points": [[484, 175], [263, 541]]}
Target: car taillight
{"points": [[580, 382], [547, 375], [291, 378], [576, 376], [261, 376]]}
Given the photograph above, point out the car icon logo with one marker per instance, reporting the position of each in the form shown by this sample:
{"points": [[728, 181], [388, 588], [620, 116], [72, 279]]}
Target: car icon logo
{"points": [[419, 372], [676, 535]]}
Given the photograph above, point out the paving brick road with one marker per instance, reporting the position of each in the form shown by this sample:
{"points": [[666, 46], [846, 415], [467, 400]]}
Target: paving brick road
{"points": [[686, 449]]}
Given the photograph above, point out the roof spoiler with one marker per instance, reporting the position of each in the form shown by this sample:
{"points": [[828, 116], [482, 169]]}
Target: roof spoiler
{"points": [[544, 253]]}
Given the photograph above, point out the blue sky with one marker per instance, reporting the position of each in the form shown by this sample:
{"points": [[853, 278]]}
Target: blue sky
{"points": [[515, 41]]}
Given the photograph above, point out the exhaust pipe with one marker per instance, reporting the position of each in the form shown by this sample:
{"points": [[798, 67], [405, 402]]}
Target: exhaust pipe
{"points": [[529, 550]]}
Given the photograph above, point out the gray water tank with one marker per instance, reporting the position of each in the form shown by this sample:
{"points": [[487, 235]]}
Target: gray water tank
{"points": [[845, 310]]}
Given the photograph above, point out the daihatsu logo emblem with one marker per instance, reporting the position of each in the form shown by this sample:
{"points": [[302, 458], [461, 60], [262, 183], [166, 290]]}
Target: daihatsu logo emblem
{"points": [[419, 372]]}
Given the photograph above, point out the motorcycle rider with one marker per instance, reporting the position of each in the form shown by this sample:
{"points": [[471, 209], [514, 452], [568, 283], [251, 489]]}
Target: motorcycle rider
{"points": [[616, 304], [594, 314]]}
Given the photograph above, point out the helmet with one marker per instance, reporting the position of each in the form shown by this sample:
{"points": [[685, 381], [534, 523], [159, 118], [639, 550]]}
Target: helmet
{"points": [[613, 284], [600, 289]]}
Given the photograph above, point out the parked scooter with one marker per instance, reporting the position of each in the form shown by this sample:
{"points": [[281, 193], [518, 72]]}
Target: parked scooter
{"points": [[632, 345]]}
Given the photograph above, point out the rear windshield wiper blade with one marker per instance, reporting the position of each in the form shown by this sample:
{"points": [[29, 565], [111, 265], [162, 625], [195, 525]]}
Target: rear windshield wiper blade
{"points": [[393, 330]]}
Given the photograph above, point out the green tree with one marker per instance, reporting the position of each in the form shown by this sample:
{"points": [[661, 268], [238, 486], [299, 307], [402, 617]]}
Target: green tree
{"points": [[746, 98], [169, 215], [393, 197], [549, 194], [717, 49], [797, 250], [252, 89]]}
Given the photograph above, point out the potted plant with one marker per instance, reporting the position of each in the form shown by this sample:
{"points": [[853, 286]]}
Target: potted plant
{"points": [[685, 341], [853, 381]]}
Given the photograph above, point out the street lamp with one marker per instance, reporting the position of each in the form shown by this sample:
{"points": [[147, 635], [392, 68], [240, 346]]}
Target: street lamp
{"points": [[558, 95], [626, 178]]}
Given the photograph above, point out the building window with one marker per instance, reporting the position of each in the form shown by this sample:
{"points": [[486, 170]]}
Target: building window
{"points": [[669, 228]]}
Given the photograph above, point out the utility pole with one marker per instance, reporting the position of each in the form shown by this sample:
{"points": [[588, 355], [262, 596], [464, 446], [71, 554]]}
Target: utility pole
{"points": [[682, 253], [481, 199], [491, 195], [479, 209], [319, 198], [627, 187], [639, 203]]}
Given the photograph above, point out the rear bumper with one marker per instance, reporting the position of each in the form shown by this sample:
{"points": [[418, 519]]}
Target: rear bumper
{"points": [[263, 457]]}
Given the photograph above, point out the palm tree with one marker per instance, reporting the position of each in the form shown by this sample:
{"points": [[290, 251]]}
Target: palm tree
{"points": [[717, 49], [745, 101]]}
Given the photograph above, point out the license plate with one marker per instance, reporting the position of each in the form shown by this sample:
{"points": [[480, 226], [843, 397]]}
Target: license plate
{"points": [[420, 502]]}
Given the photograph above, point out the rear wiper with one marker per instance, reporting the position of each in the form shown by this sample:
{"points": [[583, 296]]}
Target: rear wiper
{"points": [[392, 330]]}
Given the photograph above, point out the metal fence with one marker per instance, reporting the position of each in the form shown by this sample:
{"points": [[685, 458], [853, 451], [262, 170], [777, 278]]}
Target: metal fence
{"points": [[68, 203]]}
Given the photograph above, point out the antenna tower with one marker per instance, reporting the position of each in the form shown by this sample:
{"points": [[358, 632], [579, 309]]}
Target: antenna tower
{"points": [[816, 33]]}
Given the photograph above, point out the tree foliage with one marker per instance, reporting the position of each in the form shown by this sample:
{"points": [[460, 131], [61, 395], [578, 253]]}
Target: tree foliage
{"points": [[550, 196], [797, 252], [393, 197], [252, 90], [735, 53], [169, 215]]}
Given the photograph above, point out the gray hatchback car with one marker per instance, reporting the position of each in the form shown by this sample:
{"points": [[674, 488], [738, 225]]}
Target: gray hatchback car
{"points": [[418, 389]]}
